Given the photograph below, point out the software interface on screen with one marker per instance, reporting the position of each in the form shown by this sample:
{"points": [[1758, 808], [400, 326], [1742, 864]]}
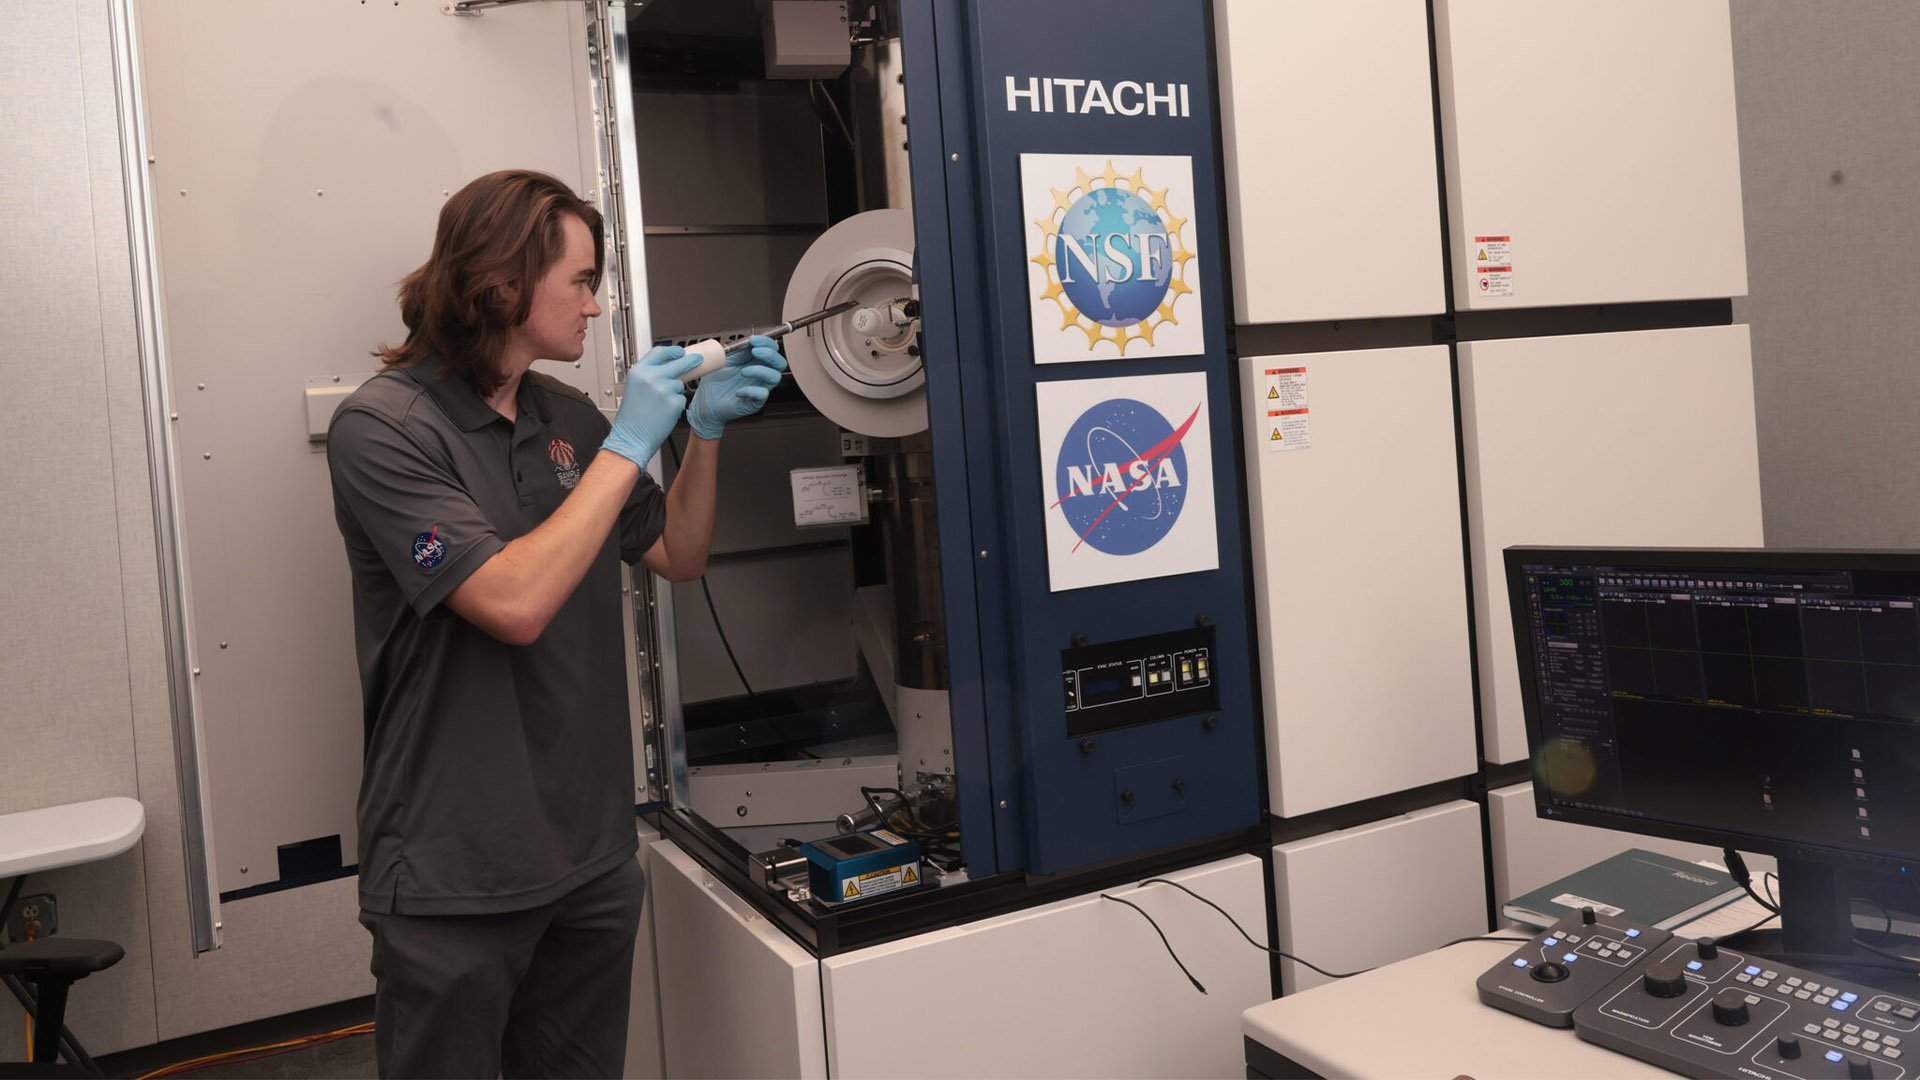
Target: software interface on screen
{"points": [[1778, 703]]}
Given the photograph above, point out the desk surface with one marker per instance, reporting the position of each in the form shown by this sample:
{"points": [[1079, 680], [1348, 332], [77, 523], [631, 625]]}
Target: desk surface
{"points": [[1423, 1017], [56, 836]]}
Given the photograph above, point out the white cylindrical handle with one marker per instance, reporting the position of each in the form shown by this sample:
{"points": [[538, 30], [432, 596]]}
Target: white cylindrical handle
{"points": [[713, 356]]}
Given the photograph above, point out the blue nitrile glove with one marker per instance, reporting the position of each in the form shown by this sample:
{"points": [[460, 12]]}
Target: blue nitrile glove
{"points": [[653, 403], [737, 389]]}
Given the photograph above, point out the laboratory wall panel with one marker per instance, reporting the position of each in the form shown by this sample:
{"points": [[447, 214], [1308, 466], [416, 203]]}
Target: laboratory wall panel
{"points": [[1382, 892], [1641, 439], [1357, 564], [788, 616], [739, 997], [1592, 151], [1080, 987], [1529, 851], [1333, 205], [295, 188]]}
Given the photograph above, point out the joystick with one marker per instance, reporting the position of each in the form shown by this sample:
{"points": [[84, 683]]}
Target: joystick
{"points": [[1550, 972], [1788, 1047], [1707, 947]]}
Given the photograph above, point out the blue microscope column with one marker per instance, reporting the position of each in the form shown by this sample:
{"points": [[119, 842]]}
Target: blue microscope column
{"points": [[1045, 787]]}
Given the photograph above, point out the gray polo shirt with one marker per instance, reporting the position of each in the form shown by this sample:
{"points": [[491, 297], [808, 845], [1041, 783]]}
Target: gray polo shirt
{"points": [[497, 778]]}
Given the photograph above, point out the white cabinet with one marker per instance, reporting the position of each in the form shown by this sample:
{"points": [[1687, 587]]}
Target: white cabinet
{"points": [[1357, 575], [1590, 145], [1080, 987], [644, 1060], [1372, 895], [739, 997], [1643, 439], [1326, 114]]}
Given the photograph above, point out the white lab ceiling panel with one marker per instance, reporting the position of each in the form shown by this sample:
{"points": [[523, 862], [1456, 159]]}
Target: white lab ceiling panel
{"points": [[1080, 987], [739, 997], [1372, 895], [1529, 851], [1333, 205], [1642, 439], [1357, 568], [1591, 146]]}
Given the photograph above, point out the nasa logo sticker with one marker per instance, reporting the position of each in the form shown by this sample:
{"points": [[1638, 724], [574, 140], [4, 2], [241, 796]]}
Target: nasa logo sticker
{"points": [[566, 467], [1128, 479], [1112, 267], [429, 550], [1122, 477]]}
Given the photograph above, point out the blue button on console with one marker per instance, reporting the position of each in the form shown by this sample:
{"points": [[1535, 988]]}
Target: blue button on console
{"points": [[1522, 962], [1849, 998], [1694, 965], [1753, 971], [1633, 933], [1835, 1055], [1570, 958], [1840, 1006], [1551, 942]]}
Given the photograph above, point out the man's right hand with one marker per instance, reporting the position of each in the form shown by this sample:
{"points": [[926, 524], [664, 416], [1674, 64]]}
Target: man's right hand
{"points": [[652, 405]]}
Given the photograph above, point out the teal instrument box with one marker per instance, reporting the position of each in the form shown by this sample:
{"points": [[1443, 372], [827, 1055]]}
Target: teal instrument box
{"points": [[860, 865]]}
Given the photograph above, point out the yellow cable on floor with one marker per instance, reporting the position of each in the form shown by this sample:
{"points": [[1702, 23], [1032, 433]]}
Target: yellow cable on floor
{"points": [[211, 1059]]}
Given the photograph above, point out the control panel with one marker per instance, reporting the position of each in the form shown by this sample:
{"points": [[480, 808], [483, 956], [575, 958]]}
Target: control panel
{"points": [[1705, 1010], [1118, 684], [1562, 967], [1702, 1009]]}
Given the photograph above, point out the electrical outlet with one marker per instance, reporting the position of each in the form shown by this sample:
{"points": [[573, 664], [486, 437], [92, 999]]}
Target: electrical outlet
{"points": [[33, 918]]}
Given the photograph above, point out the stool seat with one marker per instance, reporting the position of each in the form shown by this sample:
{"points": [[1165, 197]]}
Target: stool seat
{"points": [[59, 958]]}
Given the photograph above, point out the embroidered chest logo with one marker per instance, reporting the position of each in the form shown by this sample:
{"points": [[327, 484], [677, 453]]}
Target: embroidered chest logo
{"points": [[429, 550], [566, 468]]}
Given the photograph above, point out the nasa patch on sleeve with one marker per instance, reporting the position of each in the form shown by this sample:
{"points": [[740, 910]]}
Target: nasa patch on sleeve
{"points": [[1127, 472], [429, 550]]}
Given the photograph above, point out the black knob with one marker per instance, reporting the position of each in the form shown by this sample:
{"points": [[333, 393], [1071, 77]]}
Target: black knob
{"points": [[1549, 972], [1079, 641], [1859, 1068], [1664, 980], [1086, 746], [1788, 1047], [1210, 723], [1127, 796], [1203, 621], [1179, 785], [1586, 916], [1730, 1007], [1709, 948]]}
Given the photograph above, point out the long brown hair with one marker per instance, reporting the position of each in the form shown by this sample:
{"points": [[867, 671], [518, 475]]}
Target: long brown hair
{"points": [[497, 236]]}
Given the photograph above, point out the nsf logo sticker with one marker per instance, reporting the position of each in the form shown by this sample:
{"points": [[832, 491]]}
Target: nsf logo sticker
{"points": [[429, 550], [1128, 476], [1111, 268]]}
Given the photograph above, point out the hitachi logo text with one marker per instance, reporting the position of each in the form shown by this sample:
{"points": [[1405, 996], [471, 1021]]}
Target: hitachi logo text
{"points": [[1091, 95]]}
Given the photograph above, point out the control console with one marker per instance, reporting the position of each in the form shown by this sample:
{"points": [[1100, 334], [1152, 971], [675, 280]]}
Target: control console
{"points": [[1705, 1010], [1702, 1009], [1562, 967]]}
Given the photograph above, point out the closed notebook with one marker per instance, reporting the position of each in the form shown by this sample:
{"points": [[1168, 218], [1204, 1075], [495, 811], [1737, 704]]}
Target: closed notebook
{"points": [[1646, 887]]}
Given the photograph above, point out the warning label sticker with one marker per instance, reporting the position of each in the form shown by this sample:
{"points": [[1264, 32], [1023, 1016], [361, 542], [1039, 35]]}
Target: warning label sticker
{"points": [[1492, 260], [876, 882], [1283, 410]]}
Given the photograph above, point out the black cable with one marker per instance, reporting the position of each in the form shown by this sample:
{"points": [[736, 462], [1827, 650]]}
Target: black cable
{"points": [[1163, 939], [1738, 868], [1482, 937], [1249, 937], [1884, 913], [6, 909], [711, 610]]}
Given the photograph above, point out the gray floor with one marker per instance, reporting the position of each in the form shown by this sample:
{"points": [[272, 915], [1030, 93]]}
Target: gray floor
{"points": [[350, 1058]]}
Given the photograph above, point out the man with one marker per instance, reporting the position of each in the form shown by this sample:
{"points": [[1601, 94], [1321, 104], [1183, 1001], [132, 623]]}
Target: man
{"points": [[484, 508]]}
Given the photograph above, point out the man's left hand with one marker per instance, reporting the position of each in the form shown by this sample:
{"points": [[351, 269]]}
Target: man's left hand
{"points": [[738, 389]]}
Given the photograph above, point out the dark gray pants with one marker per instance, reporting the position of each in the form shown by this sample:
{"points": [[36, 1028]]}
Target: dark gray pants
{"points": [[541, 992]]}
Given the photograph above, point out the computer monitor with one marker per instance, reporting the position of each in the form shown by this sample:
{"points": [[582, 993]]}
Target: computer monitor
{"points": [[1763, 700]]}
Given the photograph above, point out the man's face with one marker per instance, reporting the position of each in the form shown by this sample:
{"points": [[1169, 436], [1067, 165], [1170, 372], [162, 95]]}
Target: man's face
{"points": [[556, 326]]}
